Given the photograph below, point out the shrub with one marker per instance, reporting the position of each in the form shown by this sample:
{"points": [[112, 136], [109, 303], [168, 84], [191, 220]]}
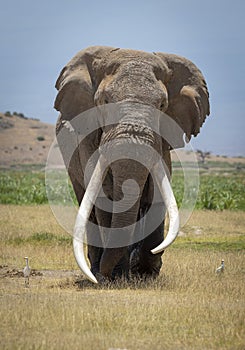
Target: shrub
{"points": [[40, 138]]}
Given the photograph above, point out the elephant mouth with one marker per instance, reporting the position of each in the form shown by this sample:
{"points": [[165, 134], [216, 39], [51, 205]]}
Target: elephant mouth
{"points": [[89, 199]]}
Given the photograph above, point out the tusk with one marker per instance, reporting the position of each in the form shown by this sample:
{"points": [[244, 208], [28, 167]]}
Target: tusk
{"points": [[84, 212], [170, 202]]}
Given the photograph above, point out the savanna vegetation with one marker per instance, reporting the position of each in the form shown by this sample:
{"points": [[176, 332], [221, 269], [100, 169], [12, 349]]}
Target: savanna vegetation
{"points": [[217, 190], [188, 307]]}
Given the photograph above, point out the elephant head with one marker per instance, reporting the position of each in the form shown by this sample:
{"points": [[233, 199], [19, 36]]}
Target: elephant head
{"points": [[137, 82]]}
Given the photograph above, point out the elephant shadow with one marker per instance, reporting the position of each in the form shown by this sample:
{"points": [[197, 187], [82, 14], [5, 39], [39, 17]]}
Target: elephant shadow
{"points": [[120, 283]]}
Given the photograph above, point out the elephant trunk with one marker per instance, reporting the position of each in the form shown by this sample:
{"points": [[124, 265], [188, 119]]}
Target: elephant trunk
{"points": [[129, 178]]}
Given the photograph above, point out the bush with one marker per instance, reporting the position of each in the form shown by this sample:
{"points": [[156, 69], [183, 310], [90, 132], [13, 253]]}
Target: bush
{"points": [[40, 138]]}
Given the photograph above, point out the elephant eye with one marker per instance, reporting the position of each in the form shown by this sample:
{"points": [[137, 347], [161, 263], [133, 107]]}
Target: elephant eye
{"points": [[106, 96], [112, 68], [164, 105], [159, 74]]}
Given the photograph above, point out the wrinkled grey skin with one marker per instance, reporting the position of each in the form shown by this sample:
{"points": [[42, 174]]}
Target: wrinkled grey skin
{"points": [[101, 75]]}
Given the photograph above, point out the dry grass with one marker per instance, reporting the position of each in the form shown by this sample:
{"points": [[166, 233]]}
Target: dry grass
{"points": [[18, 223], [187, 307]]}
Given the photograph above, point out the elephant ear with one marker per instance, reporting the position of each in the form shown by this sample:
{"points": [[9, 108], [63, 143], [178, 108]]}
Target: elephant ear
{"points": [[76, 86], [78, 81], [188, 97]]}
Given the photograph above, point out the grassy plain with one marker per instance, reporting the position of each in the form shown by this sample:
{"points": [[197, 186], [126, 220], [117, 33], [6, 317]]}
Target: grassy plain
{"points": [[218, 189], [187, 307]]}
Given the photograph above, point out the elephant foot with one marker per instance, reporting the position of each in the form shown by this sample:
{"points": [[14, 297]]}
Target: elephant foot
{"points": [[114, 263], [121, 270], [101, 279], [144, 264], [117, 277]]}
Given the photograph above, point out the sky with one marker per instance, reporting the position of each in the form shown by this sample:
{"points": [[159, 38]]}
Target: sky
{"points": [[37, 38]]}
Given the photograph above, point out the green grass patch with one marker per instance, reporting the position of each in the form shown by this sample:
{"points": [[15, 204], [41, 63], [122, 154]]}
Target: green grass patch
{"points": [[21, 187], [213, 244], [216, 192], [41, 238], [28, 187]]}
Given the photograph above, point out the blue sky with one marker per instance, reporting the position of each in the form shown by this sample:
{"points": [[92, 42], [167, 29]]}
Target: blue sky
{"points": [[37, 38]]}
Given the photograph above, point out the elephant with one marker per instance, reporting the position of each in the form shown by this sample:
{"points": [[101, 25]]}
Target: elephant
{"points": [[139, 85]]}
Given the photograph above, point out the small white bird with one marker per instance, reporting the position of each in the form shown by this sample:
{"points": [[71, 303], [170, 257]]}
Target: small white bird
{"points": [[27, 272], [221, 267]]}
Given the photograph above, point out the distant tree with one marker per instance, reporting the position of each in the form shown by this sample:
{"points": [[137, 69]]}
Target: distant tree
{"points": [[8, 114], [202, 156], [17, 114], [21, 115]]}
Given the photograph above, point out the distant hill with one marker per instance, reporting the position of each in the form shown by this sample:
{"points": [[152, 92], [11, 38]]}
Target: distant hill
{"points": [[26, 141]]}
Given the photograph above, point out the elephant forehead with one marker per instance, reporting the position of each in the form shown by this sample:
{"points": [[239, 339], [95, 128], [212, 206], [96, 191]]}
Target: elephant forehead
{"points": [[136, 65], [128, 55], [133, 59], [135, 71]]}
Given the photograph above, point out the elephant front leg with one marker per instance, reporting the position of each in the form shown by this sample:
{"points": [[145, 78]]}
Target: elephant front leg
{"points": [[95, 249], [96, 254], [142, 262], [114, 262], [99, 219]]}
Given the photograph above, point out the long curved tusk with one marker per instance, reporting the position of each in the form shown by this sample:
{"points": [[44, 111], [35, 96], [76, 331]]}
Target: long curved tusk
{"points": [[84, 212], [170, 202]]}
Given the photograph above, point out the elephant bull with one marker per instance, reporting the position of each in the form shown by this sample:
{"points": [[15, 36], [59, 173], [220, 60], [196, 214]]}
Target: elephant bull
{"points": [[133, 154]]}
